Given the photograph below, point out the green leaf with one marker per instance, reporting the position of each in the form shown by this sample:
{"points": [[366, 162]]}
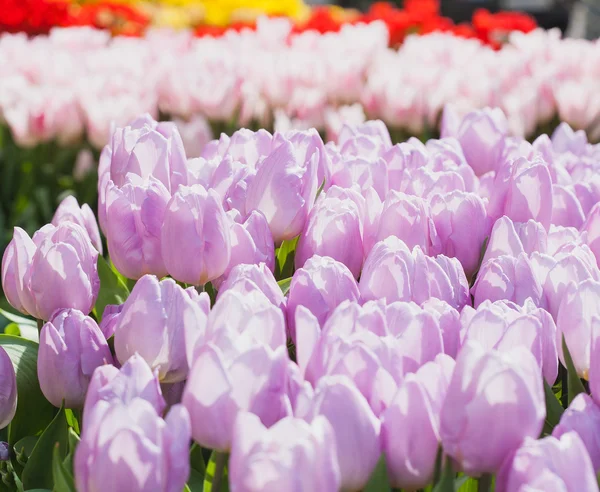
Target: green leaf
{"points": [[63, 479], [379, 480], [466, 484], [15, 318], [34, 412], [554, 409], [284, 285], [575, 384], [446, 482], [39, 469], [112, 288], [73, 440], [217, 477], [285, 258]]}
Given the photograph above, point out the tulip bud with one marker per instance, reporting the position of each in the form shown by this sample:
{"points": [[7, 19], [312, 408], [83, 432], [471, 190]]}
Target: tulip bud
{"points": [[509, 238], [134, 217], [549, 464], [8, 389], [355, 428], [69, 210], [462, 225], [134, 380], [195, 236], [109, 319], [71, 347], [448, 320], [260, 461], [284, 190], [566, 209], [509, 278], [482, 135], [576, 315], [130, 447], [413, 415], [321, 285], [158, 321], [333, 223], [583, 417], [494, 401], [55, 270], [219, 387]]}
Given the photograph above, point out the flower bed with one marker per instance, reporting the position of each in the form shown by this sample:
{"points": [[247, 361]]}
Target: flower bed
{"points": [[355, 315]]}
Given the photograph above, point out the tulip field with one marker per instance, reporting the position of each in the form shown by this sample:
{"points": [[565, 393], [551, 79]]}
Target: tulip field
{"points": [[306, 262]]}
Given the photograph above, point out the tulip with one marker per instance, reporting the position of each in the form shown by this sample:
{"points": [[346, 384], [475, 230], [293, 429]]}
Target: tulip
{"points": [[195, 238], [245, 278], [594, 372], [566, 209], [284, 190], [55, 270], [549, 464], [364, 172], [69, 210], [147, 148], [134, 217], [321, 285], [134, 380], [109, 319], [583, 417], [509, 278], [219, 388], [291, 455], [413, 416], [356, 429], [158, 321], [494, 401], [334, 223], [251, 243], [131, 448], [482, 135], [574, 322], [448, 320], [71, 347], [246, 146], [592, 228], [408, 218], [523, 190], [510, 238], [462, 226], [8, 389], [195, 134]]}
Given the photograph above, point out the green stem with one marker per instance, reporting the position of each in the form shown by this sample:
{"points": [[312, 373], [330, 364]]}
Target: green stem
{"points": [[220, 461], [484, 483]]}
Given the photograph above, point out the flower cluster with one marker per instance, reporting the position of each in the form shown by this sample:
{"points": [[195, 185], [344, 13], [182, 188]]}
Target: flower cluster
{"points": [[300, 309], [262, 78]]}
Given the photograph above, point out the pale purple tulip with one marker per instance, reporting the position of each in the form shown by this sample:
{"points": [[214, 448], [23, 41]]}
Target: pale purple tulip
{"points": [[510, 238], [284, 190], [147, 148], [355, 428], [158, 321], [522, 190], [291, 455], [71, 348], [70, 210], [494, 401], [321, 285], [366, 173], [135, 379], [462, 225], [409, 219], [8, 389], [334, 223], [583, 417], [566, 209], [592, 229], [503, 325], [219, 387], [131, 448], [482, 137], [251, 243], [134, 218], [414, 415], [594, 375], [448, 320], [55, 270], [246, 146], [507, 277], [549, 464], [576, 315], [195, 237], [246, 278], [109, 319]]}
